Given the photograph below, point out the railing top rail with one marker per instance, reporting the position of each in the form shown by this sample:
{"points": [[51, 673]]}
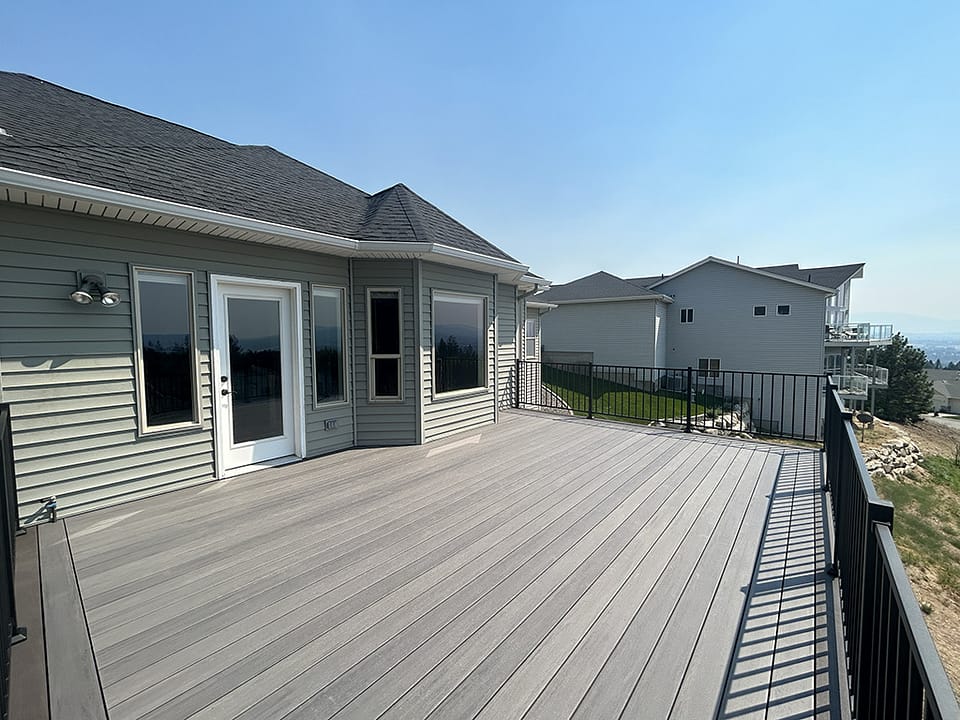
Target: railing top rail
{"points": [[678, 370], [939, 690]]}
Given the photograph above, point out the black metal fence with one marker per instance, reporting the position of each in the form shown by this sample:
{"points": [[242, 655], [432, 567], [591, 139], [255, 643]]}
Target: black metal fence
{"points": [[894, 668], [9, 630], [784, 405]]}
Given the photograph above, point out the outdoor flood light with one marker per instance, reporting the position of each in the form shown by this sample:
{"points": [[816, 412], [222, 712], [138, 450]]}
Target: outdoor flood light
{"points": [[92, 285]]}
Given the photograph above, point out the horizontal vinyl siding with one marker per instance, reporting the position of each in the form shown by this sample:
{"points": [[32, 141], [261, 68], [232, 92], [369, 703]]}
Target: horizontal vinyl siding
{"points": [[617, 333], [724, 326], [385, 422], [68, 370], [506, 344], [446, 415]]}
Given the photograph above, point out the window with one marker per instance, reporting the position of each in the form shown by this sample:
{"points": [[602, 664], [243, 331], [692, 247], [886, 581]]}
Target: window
{"points": [[686, 315], [530, 339], [168, 384], [329, 358], [708, 367], [384, 333], [759, 310], [783, 309], [459, 347]]}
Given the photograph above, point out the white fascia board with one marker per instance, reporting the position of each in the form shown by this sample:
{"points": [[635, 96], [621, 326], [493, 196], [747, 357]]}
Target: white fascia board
{"points": [[745, 268], [508, 270], [541, 305]]}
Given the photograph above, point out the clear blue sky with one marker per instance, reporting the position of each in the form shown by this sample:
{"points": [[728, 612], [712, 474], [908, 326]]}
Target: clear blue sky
{"points": [[634, 138]]}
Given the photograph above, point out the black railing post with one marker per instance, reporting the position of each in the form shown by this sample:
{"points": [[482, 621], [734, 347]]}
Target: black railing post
{"points": [[516, 385], [590, 398], [868, 679], [689, 423]]}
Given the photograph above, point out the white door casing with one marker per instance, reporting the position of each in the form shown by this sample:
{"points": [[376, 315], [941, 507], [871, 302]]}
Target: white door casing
{"points": [[258, 421]]}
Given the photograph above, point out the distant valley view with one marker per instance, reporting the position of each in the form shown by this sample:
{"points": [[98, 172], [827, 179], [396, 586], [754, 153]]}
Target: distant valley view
{"points": [[944, 347]]}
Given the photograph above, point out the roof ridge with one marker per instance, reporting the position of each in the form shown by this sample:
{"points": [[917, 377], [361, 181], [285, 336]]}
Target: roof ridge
{"points": [[420, 230]]}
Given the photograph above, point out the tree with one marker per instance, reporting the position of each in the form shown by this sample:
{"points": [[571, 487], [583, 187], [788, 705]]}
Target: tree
{"points": [[910, 392]]}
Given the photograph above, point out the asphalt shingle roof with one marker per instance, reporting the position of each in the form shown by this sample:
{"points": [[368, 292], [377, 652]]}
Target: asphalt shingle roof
{"points": [[56, 132], [831, 276], [600, 285]]}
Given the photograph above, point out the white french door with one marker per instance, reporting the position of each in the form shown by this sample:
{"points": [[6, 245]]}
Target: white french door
{"points": [[258, 380]]}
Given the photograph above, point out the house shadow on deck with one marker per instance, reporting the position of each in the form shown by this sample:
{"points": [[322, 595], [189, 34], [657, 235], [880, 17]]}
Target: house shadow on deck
{"points": [[788, 654]]}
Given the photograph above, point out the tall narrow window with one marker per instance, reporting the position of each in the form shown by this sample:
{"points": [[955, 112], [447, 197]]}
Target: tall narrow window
{"points": [[530, 339], [385, 344], [168, 372], [459, 343], [329, 359], [686, 315]]}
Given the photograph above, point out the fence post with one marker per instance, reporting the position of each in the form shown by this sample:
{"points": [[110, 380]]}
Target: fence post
{"points": [[590, 399], [516, 385], [689, 424], [869, 680]]}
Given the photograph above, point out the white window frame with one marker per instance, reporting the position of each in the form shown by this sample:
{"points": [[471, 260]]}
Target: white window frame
{"points": [[757, 307], [527, 338], [784, 314], [197, 418], [345, 364], [709, 371], [686, 313], [371, 366], [444, 295]]}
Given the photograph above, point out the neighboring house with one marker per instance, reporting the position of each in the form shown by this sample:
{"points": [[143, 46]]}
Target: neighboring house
{"points": [[712, 316], [176, 308], [946, 390]]}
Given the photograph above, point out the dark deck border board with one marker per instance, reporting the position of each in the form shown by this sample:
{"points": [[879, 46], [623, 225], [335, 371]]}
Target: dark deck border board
{"points": [[74, 685], [29, 698], [427, 564]]}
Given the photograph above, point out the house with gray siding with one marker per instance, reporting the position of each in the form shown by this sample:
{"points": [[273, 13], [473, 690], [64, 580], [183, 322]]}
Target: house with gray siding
{"points": [[175, 308], [717, 315]]}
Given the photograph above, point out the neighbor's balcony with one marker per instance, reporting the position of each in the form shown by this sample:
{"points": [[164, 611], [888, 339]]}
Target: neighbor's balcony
{"points": [[876, 375], [858, 334]]}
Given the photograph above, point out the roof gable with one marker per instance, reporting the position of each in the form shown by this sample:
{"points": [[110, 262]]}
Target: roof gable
{"points": [[744, 268], [831, 276]]}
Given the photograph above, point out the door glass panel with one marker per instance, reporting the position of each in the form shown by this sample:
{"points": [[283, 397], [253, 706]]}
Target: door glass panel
{"points": [[256, 376]]}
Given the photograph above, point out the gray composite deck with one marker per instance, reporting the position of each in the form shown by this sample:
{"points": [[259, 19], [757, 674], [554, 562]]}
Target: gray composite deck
{"points": [[543, 567]]}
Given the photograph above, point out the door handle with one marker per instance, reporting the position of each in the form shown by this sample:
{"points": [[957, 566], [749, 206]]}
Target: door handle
{"points": [[224, 391]]}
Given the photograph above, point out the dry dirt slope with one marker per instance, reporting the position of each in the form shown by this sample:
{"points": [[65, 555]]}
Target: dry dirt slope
{"points": [[927, 526]]}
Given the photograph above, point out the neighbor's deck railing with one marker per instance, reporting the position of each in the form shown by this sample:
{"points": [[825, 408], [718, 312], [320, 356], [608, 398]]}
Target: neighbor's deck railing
{"points": [[771, 404], [893, 665], [10, 632], [859, 332]]}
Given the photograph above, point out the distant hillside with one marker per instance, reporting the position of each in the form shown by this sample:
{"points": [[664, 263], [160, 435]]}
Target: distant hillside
{"points": [[944, 347]]}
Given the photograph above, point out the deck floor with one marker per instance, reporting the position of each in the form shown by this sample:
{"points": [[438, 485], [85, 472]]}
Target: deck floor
{"points": [[544, 567]]}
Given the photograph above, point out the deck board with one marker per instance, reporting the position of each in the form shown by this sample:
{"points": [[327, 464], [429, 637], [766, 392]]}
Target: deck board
{"points": [[550, 567]]}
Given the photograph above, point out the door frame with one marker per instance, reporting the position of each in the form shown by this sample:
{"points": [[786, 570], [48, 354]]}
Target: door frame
{"points": [[217, 326]]}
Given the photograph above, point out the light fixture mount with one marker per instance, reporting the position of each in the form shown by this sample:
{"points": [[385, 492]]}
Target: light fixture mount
{"points": [[92, 285]]}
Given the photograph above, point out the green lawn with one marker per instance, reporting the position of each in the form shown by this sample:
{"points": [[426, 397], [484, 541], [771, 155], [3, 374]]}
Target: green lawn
{"points": [[616, 401]]}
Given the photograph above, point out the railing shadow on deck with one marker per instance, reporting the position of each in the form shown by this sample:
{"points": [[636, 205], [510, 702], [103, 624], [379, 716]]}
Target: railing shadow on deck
{"points": [[786, 660]]}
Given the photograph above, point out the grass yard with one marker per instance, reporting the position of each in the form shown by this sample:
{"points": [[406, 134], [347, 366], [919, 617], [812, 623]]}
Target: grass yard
{"points": [[617, 401]]}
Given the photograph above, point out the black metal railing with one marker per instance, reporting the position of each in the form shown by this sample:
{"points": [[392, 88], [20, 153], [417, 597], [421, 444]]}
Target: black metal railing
{"points": [[893, 665], [10, 632], [785, 405], [457, 373]]}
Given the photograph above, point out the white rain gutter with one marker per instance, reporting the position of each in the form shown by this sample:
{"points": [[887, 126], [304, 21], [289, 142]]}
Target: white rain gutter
{"points": [[311, 240]]}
